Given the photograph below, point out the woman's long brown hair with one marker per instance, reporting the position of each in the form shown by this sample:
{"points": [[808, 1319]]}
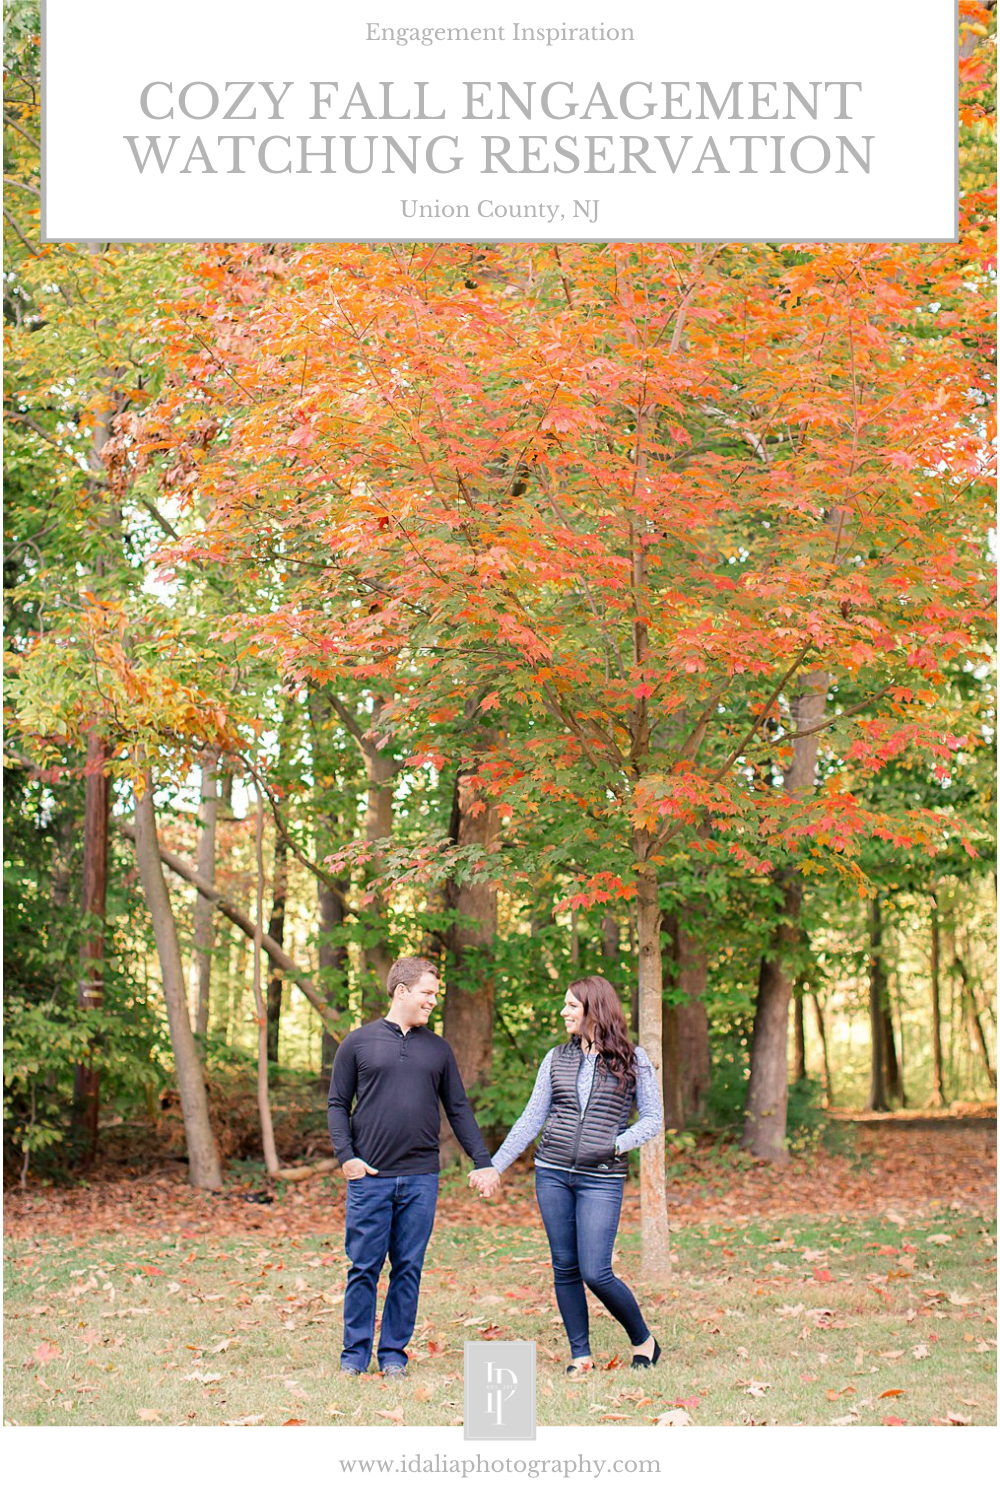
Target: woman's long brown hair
{"points": [[602, 1010]]}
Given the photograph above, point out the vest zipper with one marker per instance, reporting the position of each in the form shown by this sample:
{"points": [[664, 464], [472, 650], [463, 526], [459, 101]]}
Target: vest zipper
{"points": [[583, 1112]]}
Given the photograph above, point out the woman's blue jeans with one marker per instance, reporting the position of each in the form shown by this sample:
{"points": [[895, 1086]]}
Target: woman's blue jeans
{"points": [[581, 1215]]}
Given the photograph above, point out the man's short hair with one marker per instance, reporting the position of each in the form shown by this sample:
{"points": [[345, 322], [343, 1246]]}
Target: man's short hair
{"points": [[408, 970]]}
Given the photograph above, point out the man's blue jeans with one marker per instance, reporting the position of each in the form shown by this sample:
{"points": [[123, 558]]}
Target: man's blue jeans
{"points": [[581, 1215], [390, 1216]]}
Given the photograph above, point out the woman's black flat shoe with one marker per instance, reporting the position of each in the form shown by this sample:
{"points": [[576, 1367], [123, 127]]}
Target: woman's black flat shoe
{"points": [[644, 1361]]}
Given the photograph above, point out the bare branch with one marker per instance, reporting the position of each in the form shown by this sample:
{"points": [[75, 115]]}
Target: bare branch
{"points": [[31, 249]]}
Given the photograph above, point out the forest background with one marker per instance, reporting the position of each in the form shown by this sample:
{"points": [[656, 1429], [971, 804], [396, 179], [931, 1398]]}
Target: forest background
{"points": [[547, 609]]}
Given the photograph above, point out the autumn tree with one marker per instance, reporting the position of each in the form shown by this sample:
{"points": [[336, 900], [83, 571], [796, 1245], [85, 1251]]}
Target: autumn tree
{"points": [[678, 511]]}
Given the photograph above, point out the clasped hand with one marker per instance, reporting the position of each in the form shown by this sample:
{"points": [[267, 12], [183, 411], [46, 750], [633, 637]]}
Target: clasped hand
{"points": [[486, 1180]]}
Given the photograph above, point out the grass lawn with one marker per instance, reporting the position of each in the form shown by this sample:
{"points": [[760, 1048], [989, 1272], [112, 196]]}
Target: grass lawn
{"points": [[844, 1320]]}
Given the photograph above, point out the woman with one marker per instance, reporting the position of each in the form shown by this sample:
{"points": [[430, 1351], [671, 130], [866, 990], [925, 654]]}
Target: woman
{"points": [[583, 1095]]}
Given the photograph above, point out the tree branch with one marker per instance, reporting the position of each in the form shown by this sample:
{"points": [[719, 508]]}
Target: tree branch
{"points": [[31, 249], [246, 925]]}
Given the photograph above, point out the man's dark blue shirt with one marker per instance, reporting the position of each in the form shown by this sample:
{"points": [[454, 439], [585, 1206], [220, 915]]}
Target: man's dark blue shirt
{"points": [[386, 1090]]}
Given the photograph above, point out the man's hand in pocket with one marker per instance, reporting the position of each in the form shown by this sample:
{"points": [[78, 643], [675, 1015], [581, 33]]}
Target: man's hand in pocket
{"points": [[354, 1167]]}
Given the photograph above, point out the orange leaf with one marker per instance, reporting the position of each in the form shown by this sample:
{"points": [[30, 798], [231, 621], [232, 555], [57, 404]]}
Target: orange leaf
{"points": [[395, 1415]]}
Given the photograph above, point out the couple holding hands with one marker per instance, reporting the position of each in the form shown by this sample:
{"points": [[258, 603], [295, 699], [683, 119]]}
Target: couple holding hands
{"points": [[390, 1079]]}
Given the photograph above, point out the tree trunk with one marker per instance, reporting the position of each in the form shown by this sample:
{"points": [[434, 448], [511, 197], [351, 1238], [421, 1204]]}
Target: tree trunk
{"points": [[799, 1033], [633, 997], [63, 844], [673, 1102], [204, 910], [876, 1009], [893, 1064], [937, 1079], [652, 1174], [767, 1095], [333, 962], [611, 937], [276, 932], [271, 1161], [824, 1051], [977, 1036], [203, 1155], [686, 1059], [90, 991], [334, 959], [470, 989]]}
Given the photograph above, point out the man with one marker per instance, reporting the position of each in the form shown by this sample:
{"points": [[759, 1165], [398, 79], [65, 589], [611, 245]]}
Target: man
{"points": [[388, 1080]]}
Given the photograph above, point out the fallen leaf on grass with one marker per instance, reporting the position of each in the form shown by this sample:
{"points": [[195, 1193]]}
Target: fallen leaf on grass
{"points": [[893, 1422], [45, 1352], [395, 1415], [295, 1422], [956, 1419], [613, 1416], [758, 1387], [939, 1239], [252, 1421], [921, 1351], [846, 1421], [884, 1395], [147, 1414], [205, 1377], [957, 1300], [678, 1418], [848, 1390]]}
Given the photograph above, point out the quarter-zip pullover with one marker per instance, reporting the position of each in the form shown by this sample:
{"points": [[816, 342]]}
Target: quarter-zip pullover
{"points": [[385, 1095]]}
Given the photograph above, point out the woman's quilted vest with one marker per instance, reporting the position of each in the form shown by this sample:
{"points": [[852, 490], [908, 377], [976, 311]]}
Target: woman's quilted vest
{"points": [[584, 1141]]}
